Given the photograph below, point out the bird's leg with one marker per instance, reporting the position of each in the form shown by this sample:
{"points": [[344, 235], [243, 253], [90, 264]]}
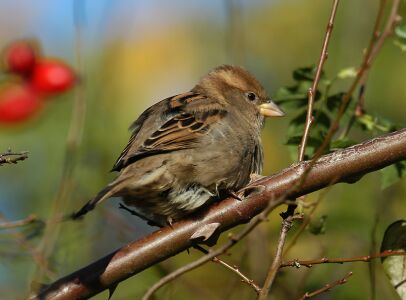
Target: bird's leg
{"points": [[135, 213]]}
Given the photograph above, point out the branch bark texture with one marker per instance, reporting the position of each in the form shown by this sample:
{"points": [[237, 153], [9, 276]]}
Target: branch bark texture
{"points": [[346, 165]]}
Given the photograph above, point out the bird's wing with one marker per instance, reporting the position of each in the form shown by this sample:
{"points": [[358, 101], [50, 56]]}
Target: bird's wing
{"points": [[184, 119]]}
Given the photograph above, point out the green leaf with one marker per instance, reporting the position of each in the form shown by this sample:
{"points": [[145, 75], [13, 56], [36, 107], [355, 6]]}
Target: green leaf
{"points": [[395, 266], [400, 45], [305, 73], [322, 119], [319, 226], [400, 31], [350, 72], [367, 121], [289, 97], [370, 122], [392, 174], [333, 102]]}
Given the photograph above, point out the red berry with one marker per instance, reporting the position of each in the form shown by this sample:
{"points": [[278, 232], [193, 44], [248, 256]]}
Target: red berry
{"points": [[52, 77], [18, 103], [20, 58]]}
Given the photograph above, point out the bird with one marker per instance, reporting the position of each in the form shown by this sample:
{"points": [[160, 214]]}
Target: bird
{"points": [[191, 149]]}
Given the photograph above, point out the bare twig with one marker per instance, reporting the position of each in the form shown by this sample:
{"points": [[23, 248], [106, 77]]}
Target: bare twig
{"points": [[10, 157], [274, 268], [373, 247], [234, 269], [237, 271], [312, 91], [327, 287], [28, 220], [309, 263]]}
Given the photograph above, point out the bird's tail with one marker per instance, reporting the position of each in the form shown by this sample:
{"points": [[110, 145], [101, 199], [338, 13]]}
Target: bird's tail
{"points": [[105, 193]]}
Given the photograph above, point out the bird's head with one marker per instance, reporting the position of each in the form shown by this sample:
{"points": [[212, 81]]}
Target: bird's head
{"points": [[235, 86]]}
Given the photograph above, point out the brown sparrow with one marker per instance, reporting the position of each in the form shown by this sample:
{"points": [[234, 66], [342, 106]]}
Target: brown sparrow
{"points": [[187, 150]]}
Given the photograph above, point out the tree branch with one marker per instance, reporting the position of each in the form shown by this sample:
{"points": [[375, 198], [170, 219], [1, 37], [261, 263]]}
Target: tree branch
{"points": [[346, 165]]}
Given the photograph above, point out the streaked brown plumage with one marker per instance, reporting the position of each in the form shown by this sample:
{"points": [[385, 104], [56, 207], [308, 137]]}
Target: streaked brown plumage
{"points": [[188, 149]]}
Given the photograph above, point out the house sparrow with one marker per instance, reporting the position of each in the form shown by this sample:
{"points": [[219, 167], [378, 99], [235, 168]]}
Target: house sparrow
{"points": [[187, 150]]}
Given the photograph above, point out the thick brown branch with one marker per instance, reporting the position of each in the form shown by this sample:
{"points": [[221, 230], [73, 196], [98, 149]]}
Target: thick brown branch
{"points": [[347, 165]]}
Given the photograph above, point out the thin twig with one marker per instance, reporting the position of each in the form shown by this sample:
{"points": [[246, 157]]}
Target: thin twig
{"points": [[12, 157], [14, 224], [274, 268], [237, 271], [234, 269], [309, 263], [221, 250], [327, 287], [312, 91], [373, 247]]}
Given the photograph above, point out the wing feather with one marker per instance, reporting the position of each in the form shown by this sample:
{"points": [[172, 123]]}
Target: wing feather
{"points": [[181, 129]]}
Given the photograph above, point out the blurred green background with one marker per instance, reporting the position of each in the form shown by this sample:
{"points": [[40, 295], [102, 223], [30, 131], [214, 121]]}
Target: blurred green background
{"points": [[135, 53]]}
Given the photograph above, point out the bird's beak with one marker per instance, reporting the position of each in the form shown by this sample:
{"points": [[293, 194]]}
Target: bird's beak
{"points": [[270, 109]]}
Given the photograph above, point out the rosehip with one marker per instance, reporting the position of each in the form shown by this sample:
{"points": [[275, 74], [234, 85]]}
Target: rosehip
{"points": [[52, 77], [20, 58], [18, 103]]}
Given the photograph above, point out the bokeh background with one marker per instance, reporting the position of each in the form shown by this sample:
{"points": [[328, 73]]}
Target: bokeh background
{"points": [[134, 53]]}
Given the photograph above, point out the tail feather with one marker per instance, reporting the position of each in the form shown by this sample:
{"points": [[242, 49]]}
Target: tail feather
{"points": [[105, 193]]}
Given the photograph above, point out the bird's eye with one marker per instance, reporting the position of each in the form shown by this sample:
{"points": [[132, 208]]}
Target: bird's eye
{"points": [[251, 96]]}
